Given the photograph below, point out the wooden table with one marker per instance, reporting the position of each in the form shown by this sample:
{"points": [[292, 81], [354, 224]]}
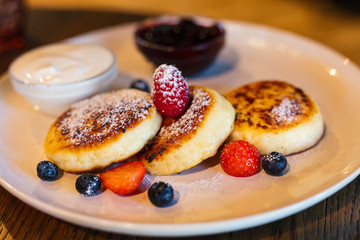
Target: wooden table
{"points": [[337, 217]]}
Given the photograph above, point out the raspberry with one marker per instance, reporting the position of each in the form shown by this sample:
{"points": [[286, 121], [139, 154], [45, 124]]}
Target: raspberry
{"points": [[171, 91], [240, 159]]}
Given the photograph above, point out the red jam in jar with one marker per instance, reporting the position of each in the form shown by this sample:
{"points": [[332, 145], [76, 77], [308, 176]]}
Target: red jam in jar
{"points": [[190, 44]]}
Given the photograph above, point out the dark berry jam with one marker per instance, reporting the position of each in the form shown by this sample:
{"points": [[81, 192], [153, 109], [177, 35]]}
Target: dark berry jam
{"points": [[184, 33], [190, 44]]}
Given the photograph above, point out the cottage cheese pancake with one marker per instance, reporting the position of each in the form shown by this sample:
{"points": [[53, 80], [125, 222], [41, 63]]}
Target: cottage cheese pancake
{"points": [[107, 128], [275, 116], [185, 141]]}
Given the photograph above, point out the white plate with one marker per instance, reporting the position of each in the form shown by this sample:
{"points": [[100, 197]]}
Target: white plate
{"points": [[209, 201]]}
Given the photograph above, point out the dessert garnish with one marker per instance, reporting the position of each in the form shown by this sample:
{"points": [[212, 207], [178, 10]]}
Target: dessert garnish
{"points": [[240, 159], [161, 194], [47, 171], [274, 163], [171, 91], [88, 185], [125, 178]]}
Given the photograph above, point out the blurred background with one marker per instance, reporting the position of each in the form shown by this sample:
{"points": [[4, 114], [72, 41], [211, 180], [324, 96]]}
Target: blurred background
{"points": [[335, 23]]}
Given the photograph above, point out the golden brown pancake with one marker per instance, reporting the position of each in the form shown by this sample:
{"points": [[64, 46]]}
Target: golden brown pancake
{"points": [[275, 116], [104, 129], [186, 141]]}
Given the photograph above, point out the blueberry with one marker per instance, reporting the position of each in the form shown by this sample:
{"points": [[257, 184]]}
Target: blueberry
{"points": [[274, 163], [47, 171], [88, 185], [161, 194], [140, 85]]}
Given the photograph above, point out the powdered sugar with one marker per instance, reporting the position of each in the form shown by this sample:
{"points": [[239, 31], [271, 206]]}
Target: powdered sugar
{"points": [[286, 111], [212, 184], [199, 185], [191, 118], [93, 120], [168, 78], [171, 91]]}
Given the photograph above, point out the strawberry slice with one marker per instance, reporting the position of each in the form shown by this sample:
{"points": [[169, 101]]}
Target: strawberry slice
{"points": [[125, 178]]}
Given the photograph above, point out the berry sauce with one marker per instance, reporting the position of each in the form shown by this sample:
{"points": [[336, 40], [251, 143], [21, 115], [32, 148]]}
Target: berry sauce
{"points": [[185, 33]]}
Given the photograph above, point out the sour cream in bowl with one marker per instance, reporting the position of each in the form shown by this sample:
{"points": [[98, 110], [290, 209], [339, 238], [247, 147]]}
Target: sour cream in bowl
{"points": [[53, 77]]}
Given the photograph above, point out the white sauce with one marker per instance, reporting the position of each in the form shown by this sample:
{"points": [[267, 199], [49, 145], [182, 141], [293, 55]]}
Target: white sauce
{"points": [[62, 63]]}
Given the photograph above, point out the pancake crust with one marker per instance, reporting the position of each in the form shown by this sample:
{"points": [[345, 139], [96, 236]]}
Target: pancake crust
{"points": [[275, 116], [186, 141], [104, 129]]}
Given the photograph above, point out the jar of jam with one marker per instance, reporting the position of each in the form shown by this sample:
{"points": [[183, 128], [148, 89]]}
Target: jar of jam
{"points": [[189, 43]]}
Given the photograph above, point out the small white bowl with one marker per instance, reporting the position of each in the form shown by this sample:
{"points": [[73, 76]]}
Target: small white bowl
{"points": [[53, 77]]}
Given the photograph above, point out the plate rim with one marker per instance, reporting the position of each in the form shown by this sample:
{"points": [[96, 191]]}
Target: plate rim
{"points": [[179, 229]]}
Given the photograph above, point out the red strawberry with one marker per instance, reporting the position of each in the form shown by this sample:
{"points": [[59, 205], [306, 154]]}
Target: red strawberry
{"points": [[171, 91], [125, 178], [240, 159]]}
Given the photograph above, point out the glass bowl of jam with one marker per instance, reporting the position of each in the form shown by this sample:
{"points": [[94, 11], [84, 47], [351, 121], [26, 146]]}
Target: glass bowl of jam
{"points": [[189, 43]]}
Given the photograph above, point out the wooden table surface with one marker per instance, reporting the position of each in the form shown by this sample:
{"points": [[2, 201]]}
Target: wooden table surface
{"points": [[336, 217]]}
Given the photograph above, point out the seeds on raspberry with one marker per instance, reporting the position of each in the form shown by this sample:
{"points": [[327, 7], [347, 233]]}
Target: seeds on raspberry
{"points": [[171, 91], [240, 159]]}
